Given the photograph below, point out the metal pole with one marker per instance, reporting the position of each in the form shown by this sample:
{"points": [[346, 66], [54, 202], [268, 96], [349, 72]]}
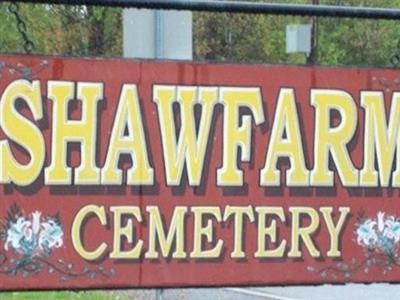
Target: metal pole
{"points": [[312, 59], [240, 7], [159, 294]]}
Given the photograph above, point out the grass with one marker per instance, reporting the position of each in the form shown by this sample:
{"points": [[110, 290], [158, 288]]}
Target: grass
{"points": [[59, 296]]}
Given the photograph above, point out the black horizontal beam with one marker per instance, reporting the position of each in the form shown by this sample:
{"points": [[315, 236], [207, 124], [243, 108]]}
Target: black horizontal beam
{"points": [[239, 7]]}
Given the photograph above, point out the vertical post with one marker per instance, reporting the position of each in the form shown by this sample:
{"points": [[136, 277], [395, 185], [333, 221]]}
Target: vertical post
{"points": [[312, 59], [157, 34], [159, 294]]}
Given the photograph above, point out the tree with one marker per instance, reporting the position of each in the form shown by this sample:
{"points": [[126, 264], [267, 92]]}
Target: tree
{"points": [[255, 38], [64, 30], [85, 30]]}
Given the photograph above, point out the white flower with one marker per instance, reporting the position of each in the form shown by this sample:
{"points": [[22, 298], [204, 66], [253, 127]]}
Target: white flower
{"points": [[366, 233], [382, 232], [381, 221], [51, 235], [392, 229], [33, 237], [16, 232], [36, 222]]}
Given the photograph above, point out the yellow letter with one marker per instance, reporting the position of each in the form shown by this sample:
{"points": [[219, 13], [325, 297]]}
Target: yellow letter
{"points": [[286, 120], [333, 140], [77, 229], [236, 136], [269, 231], [305, 232], [189, 147], [238, 213], [126, 232], [66, 131], [23, 132], [128, 116], [201, 231], [334, 231], [380, 139], [176, 230]]}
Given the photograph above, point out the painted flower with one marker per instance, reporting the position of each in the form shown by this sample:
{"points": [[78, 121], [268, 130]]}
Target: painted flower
{"points": [[17, 232], [392, 229], [36, 222], [381, 234], [51, 235], [34, 236], [366, 233], [381, 221]]}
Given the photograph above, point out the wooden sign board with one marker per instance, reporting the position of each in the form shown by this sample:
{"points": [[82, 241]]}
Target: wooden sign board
{"points": [[120, 173]]}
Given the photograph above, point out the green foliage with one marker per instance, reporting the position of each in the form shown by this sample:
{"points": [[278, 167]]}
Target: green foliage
{"points": [[83, 31], [358, 42], [65, 30], [59, 296], [242, 38], [256, 38]]}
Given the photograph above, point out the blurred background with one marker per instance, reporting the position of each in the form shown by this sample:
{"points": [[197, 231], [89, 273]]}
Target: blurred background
{"points": [[221, 37]]}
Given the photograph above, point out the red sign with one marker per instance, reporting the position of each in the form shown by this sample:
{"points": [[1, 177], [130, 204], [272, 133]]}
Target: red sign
{"points": [[119, 173]]}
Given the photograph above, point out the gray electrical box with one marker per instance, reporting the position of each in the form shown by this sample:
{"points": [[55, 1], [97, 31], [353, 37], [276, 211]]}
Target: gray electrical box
{"points": [[298, 38]]}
